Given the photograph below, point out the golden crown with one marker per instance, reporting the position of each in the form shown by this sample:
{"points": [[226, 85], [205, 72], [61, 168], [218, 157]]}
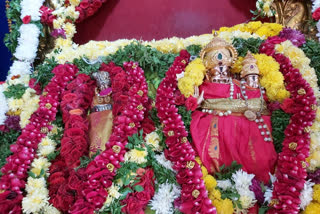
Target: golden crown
{"points": [[249, 65], [219, 43]]}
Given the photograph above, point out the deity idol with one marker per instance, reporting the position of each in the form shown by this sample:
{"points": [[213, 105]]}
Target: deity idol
{"points": [[100, 119], [233, 123]]}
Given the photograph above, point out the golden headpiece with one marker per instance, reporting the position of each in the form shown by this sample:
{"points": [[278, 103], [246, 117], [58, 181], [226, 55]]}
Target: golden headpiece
{"points": [[249, 66], [219, 44]]}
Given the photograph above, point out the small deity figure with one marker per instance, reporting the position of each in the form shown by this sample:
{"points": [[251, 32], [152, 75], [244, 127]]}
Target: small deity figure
{"points": [[100, 119], [233, 123]]}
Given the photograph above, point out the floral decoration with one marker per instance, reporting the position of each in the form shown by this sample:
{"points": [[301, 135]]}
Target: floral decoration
{"points": [[291, 171], [15, 171], [194, 197]]}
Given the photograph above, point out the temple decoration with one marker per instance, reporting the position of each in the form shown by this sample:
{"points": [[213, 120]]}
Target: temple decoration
{"points": [[171, 133]]}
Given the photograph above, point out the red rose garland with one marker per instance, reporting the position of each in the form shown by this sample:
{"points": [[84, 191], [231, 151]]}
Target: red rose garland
{"points": [[88, 8], [194, 197], [74, 144], [291, 171], [15, 171], [103, 168]]}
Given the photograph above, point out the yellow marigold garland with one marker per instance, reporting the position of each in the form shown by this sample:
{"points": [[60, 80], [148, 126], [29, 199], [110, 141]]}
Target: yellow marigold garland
{"points": [[223, 206], [258, 28], [271, 78], [300, 61], [193, 76]]}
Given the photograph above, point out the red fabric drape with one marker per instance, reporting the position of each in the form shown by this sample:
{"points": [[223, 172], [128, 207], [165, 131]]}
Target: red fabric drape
{"points": [[157, 19]]}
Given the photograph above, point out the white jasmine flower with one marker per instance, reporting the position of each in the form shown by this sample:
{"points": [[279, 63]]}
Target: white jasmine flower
{"points": [[306, 194], [224, 184], [162, 201]]}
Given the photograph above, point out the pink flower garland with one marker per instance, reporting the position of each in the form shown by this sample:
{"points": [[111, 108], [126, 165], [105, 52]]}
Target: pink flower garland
{"points": [[15, 172], [103, 168], [291, 170], [194, 196]]}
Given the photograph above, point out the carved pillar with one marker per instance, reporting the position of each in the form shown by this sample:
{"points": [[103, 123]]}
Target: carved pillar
{"points": [[295, 14]]}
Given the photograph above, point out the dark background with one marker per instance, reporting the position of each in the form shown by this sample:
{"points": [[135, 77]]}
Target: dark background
{"points": [[4, 53], [148, 19]]}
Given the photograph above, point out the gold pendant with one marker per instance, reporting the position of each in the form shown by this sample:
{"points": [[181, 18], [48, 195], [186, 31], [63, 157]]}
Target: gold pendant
{"points": [[250, 115]]}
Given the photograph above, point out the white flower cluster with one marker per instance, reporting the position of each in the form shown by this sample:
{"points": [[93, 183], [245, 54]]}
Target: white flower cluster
{"points": [[37, 198], [3, 107], [162, 202], [31, 8], [28, 43], [229, 36], [306, 194], [164, 162], [265, 7], [26, 50], [153, 139], [268, 192], [242, 181]]}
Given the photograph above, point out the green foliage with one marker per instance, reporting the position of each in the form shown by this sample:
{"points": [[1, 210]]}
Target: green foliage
{"points": [[13, 13], [85, 160], [114, 208], [86, 68], [279, 120], [43, 73], [194, 50], [15, 91], [154, 117], [263, 209], [52, 156], [7, 138], [227, 171], [153, 62], [186, 118], [245, 45], [312, 50]]}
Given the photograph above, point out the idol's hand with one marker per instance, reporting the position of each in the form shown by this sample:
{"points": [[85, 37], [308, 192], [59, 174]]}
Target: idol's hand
{"points": [[196, 95]]}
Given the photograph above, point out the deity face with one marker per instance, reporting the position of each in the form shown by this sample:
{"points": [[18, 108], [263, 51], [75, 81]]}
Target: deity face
{"points": [[218, 63], [103, 80], [252, 80]]}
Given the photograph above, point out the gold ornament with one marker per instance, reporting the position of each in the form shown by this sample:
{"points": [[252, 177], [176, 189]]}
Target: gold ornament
{"points": [[140, 93], [190, 164], [45, 93], [110, 167], [48, 106], [274, 202], [132, 125], [249, 66], [314, 107], [303, 164], [293, 146], [134, 66], [116, 149], [44, 130], [170, 133], [195, 193], [307, 129], [2, 191], [219, 44], [301, 91], [184, 140], [250, 115], [140, 107], [184, 61]]}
